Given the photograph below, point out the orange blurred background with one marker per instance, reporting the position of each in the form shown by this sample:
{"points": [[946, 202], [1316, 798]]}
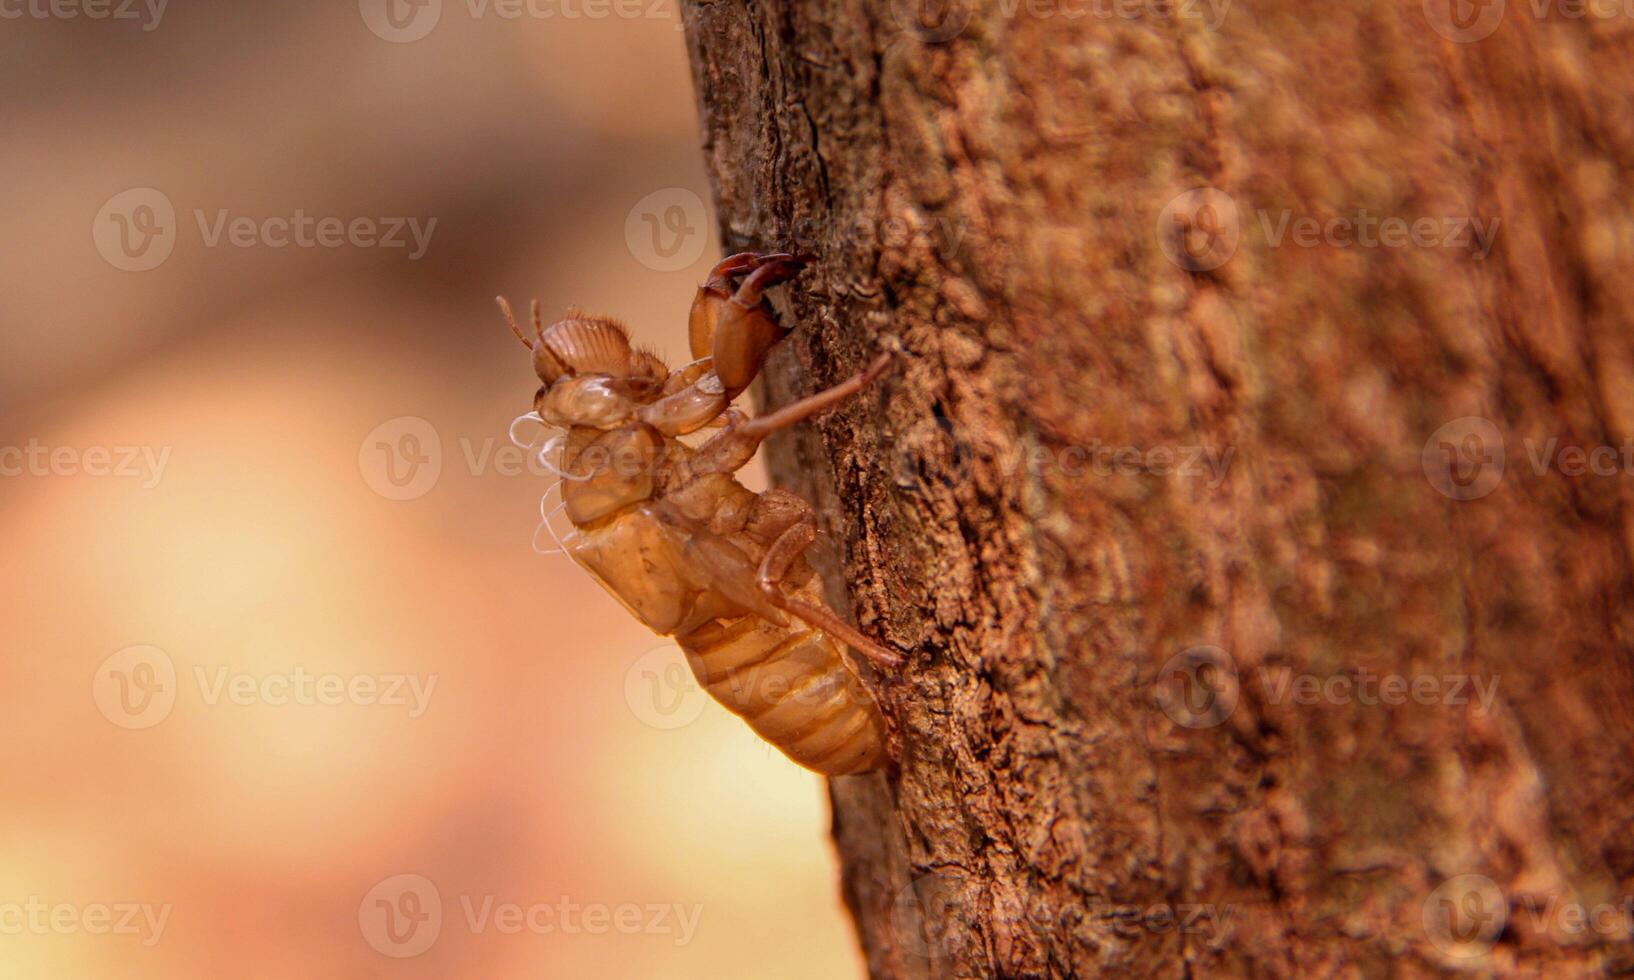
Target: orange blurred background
{"points": [[287, 690]]}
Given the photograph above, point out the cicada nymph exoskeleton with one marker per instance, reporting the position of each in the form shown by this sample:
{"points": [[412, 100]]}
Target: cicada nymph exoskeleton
{"points": [[668, 530]]}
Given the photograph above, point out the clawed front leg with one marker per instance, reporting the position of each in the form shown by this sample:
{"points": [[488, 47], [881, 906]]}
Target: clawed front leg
{"points": [[775, 566], [735, 445], [762, 426], [731, 323]]}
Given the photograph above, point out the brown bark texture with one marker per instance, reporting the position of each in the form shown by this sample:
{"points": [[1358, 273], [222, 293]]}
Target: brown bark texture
{"points": [[1266, 596]]}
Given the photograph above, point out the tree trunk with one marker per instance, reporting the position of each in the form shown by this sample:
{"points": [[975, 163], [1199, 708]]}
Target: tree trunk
{"points": [[1268, 609]]}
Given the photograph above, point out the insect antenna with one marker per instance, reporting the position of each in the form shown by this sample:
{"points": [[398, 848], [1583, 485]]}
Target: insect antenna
{"points": [[510, 320]]}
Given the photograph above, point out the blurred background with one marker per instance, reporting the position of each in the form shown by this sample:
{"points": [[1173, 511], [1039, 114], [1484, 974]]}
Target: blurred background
{"points": [[287, 690]]}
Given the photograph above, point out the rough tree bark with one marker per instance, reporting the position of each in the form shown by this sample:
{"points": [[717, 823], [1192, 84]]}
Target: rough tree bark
{"points": [[1104, 705]]}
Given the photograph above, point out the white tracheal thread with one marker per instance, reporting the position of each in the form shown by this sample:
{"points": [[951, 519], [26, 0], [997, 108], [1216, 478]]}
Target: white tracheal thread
{"points": [[550, 443], [546, 525], [550, 440]]}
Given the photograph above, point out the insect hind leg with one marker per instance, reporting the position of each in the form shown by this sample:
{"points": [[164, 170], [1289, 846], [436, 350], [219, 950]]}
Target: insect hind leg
{"points": [[775, 565]]}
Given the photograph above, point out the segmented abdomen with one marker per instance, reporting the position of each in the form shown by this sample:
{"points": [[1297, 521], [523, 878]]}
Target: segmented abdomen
{"points": [[793, 689]]}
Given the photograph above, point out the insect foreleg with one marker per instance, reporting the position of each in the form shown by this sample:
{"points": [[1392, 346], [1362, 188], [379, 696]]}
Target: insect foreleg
{"points": [[739, 330], [731, 449], [763, 426]]}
